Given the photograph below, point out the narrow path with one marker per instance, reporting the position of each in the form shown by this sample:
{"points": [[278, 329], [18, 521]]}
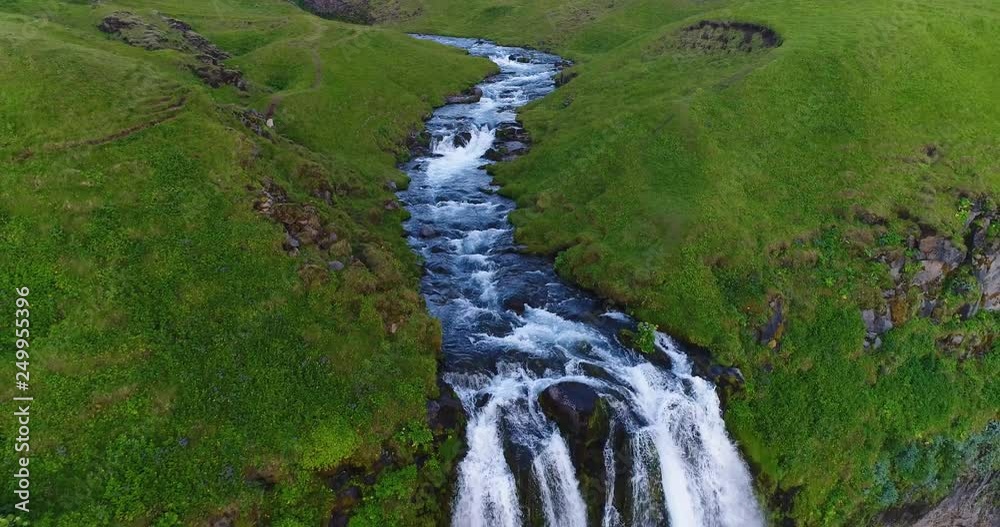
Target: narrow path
{"points": [[166, 114], [310, 42]]}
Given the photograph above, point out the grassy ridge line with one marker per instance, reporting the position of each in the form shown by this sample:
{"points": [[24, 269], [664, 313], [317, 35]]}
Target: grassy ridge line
{"points": [[693, 187], [182, 362]]}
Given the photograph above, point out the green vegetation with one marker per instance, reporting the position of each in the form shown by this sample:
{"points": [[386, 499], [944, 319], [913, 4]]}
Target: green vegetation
{"points": [[646, 338], [184, 366], [756, 172]]}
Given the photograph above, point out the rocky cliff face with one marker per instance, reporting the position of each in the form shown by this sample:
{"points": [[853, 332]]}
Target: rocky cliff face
{"points": [[943, 279], [975, 502]]}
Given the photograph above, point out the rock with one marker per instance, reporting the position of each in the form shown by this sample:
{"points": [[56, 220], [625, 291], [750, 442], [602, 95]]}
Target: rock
{"points": [[571, 405], [511, 132], [972, 503], [941, 249], [564, 77], [119, 20], [461, 139], [876, 324], [391, 205], [896, 268], [516, 303], [522, 59], [327, 241], [868, 217], [584, 420], [987, 271], [445, 413], [225, 520], [770, 333], [727, 377], [291, 243], [930, 272], [335, 265], [254, 121], [515, 148], [938, 256], [469, 97], [217, 76], [354, 11], [426, 231], [493, 155], [262, 479]]}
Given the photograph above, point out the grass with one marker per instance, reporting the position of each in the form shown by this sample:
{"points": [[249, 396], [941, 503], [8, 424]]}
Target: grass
{"points": [[176, 349], [743, 170]]}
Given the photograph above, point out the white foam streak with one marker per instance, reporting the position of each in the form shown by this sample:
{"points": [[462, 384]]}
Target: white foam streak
{"points": [[488, 495], [561, 499]]}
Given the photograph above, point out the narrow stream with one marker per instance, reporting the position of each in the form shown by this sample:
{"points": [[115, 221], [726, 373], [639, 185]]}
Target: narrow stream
{"points": [[514, 334]]}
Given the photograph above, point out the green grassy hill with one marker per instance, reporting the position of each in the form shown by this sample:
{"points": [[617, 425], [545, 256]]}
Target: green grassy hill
{"points": [[184, 365], [697, 181], [224, 312]]}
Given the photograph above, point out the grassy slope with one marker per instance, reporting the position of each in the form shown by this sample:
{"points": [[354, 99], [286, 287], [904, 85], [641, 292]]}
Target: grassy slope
{"points": [[691, 186], [175, 348]]}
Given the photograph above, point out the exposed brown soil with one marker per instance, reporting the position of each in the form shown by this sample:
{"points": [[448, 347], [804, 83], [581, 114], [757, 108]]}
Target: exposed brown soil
{"points": [[728, 36]]}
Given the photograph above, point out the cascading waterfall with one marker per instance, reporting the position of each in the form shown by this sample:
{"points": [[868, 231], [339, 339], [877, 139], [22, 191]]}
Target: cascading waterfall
{"points": [[513, 331]]}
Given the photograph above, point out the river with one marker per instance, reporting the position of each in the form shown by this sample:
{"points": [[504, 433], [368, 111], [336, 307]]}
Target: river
{"points": [[515, 334]]}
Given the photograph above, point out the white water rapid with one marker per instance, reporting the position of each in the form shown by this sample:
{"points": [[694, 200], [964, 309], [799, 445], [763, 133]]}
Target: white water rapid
{"points": [[651, 447]]}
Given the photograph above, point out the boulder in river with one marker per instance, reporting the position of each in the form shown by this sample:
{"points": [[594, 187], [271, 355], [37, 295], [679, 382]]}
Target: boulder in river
{"points": [[583, 418], [571, 405], [462, 139], [469, 97]]}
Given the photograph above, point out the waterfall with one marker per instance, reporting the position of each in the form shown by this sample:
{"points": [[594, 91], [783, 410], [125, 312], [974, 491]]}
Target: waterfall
{"points": [[514, 331]]}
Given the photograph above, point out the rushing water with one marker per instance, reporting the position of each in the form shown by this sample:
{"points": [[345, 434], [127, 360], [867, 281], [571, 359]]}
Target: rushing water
{"points": [[512, 329]]}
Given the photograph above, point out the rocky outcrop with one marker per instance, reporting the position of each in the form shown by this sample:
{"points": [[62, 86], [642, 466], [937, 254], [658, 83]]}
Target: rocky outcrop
{"points": [[975, 502], [583, 417], [938, 256], [462, 139], [354, 11], [512, 141], [254, 121], [572, 405], [303, 224], [469, 96], [938, 277], [876, 324], [985, 258], [170, 33]]}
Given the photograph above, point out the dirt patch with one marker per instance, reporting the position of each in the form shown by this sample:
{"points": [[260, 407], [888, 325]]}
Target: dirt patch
{"points": [[355, 11], [728, 37]]}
